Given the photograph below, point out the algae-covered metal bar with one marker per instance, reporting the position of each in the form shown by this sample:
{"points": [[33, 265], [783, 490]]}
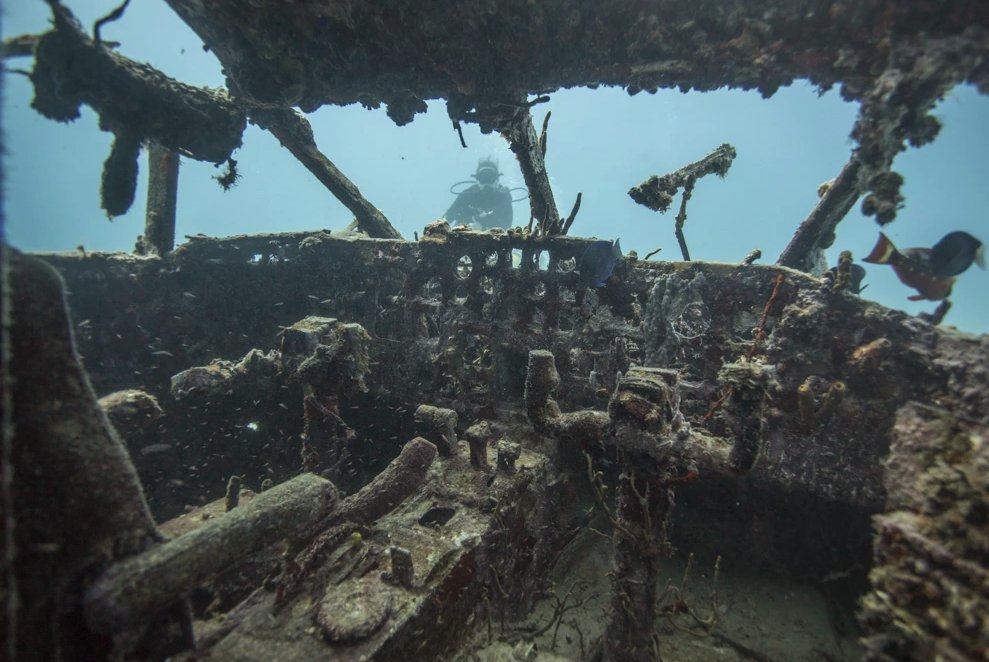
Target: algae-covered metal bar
{"points": [[138, 588], [163, 182], [295, 134]]}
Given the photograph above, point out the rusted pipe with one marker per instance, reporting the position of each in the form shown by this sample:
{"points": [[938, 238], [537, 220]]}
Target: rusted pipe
{"points": [[134, 590]]}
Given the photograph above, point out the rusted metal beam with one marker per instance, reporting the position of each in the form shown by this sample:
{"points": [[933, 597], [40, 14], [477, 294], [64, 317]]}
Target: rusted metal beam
{"points": [[657, 192], [163, 184], [136, 589], [530, 152], [295, 134], [817, 231]]}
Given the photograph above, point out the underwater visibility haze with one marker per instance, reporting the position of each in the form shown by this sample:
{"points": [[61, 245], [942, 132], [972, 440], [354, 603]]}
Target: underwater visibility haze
{"points": [[402, 330]]}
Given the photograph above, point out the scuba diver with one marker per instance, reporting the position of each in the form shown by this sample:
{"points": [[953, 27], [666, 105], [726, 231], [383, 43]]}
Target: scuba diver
{"points": [[484, 205]]}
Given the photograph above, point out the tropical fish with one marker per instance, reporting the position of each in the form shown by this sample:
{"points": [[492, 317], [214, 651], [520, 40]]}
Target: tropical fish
{"points": [[913, 267], [955, 253], [598, 261]]}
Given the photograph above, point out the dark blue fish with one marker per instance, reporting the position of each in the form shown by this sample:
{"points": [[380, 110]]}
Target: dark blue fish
{"points": [[598, 261], [955, 253]]}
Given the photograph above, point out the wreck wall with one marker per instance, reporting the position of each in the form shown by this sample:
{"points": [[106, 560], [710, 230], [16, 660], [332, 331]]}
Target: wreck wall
{"points": [[452, 319]]}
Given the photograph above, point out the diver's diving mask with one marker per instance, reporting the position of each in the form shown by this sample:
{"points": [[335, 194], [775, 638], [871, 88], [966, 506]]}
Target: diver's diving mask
{"points": [[486, 176]]}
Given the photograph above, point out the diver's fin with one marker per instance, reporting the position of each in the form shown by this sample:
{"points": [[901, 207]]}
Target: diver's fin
{"points": [[883, 252]]}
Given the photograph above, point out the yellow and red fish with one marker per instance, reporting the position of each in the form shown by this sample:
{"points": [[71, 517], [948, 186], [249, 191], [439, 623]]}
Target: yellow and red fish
{"points": [[930, 271], [913, 268]]}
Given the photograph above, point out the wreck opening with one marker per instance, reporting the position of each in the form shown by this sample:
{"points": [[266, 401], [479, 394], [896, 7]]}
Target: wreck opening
{"points": [[511, 441]]}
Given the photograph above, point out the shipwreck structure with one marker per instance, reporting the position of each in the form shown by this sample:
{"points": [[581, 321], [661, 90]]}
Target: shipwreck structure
{"points": [[389, 446]]}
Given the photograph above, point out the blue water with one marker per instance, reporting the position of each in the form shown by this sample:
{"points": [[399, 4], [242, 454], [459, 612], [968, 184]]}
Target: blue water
{"points": [[601, 142]]}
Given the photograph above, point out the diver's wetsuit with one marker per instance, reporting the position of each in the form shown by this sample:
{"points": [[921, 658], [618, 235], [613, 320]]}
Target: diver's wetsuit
{"points": [[485, 206]]}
